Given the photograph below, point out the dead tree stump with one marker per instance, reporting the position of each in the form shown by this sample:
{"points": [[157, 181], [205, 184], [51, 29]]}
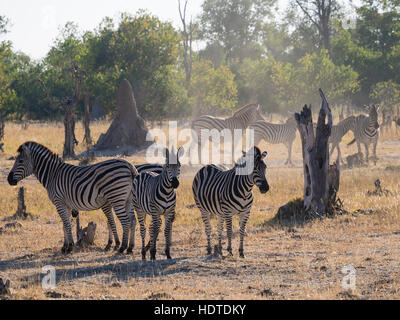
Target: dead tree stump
{"points": [[315, 157], [21, 210], [85, 237], [4, 287]]}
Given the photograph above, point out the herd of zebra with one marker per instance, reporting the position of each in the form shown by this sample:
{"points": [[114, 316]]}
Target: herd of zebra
{"points": [[150, 189], [365, 129]]}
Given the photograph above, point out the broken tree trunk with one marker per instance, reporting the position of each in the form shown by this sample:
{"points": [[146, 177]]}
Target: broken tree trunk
{"points": [[69, 130], [85, 237], [315, 156], [21, 210], [2, 126], [127, 128]]}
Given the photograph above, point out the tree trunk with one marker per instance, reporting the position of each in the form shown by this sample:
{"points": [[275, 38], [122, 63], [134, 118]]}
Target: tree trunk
{"points": [[69, 126], [2, 126], [87, 138], [315, 156]]}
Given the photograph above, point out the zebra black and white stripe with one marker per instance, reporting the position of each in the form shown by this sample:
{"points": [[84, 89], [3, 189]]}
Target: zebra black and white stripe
{"points": [[338, 131], [241, 119], [276, 133], [104, 185], [229, 192], [155, 195], [112, 228], [366, 131]]}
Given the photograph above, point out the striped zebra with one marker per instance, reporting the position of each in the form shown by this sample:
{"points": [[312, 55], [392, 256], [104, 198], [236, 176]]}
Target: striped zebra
{"points": [[276, 133], [155, 195], [104, 185], [112, 228], [338, 132], [366, 131], [241, 119], [229, 192]]}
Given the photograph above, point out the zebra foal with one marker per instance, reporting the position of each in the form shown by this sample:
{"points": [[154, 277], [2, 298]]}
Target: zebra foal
{"points": [[112, 228], [104, 185], [229, 192], [155, 195], [338, 132], [366, 131]]}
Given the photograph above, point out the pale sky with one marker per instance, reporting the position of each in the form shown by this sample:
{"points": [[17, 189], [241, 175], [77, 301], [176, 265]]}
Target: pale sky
{"points": [[35, 23]]}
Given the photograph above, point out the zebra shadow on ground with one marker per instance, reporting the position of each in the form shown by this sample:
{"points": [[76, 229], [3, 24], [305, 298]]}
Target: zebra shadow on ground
{"points": [[106, 269]]}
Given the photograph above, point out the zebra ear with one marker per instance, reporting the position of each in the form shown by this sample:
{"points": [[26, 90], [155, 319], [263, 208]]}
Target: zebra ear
{"points": [[26, 150], [166, 155], [181, 152], [243, 153]]}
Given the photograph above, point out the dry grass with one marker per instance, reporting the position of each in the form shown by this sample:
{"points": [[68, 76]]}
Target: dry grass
{"points": [[303, 262]]}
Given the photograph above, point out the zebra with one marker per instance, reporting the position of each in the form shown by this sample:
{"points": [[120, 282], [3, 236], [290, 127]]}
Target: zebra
{"points": [[241, 119], [366, 131], [276, 133], [104, 185], [155, 195], [337, 133], [225, 193], [112, 228]]}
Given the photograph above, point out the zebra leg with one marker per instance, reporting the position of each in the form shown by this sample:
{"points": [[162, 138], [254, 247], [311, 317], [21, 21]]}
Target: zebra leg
{"points": [[289, 159], [120, 211], [243, 221], [141, 217], [374, 151], [112, 228], [64, 213], [168, 233], [132, 231], [366, 152], [206, 219], [220, 229], [229, 234], [154, 229]]}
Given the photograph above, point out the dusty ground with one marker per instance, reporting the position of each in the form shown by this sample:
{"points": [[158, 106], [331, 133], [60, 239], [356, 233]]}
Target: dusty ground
{"points": [[298, 262]]}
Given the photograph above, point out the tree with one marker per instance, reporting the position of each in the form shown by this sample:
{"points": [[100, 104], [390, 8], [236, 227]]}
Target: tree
{"points": [[143, 50], [320, 13], [386, 93], [212, 90], [187, 34], [235, 25]]}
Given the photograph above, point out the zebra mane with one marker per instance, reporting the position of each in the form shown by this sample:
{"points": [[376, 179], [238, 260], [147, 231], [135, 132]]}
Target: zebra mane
{"points": [[244, 109], [35, 147]]}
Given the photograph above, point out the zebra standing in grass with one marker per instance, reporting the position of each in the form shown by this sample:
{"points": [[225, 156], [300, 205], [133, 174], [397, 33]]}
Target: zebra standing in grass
{"points": [[112, 228], [104, 185], [366, 131], [241, 119], [226, 193], [337, 133], [155, 195], [276, 133]]}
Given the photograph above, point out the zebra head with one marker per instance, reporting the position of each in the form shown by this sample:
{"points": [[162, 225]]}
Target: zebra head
{"points": [[23, 166], [172, 166], [373, 117], [259, 167]]}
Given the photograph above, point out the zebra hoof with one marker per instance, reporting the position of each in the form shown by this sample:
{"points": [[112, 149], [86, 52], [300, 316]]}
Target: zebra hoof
{"points": [[152, 255], [122, 249], [116, 247], [241, 254], [230, 252], [167, 253], [209, 251], [129, 250]]}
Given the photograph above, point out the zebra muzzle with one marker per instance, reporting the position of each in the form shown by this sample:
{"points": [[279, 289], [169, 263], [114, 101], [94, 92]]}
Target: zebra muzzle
{"points": [[175, 183], [264, 188], [11, 179]]}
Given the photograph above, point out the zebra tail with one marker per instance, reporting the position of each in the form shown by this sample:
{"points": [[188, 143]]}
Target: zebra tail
{"points": [[350, 143]]}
